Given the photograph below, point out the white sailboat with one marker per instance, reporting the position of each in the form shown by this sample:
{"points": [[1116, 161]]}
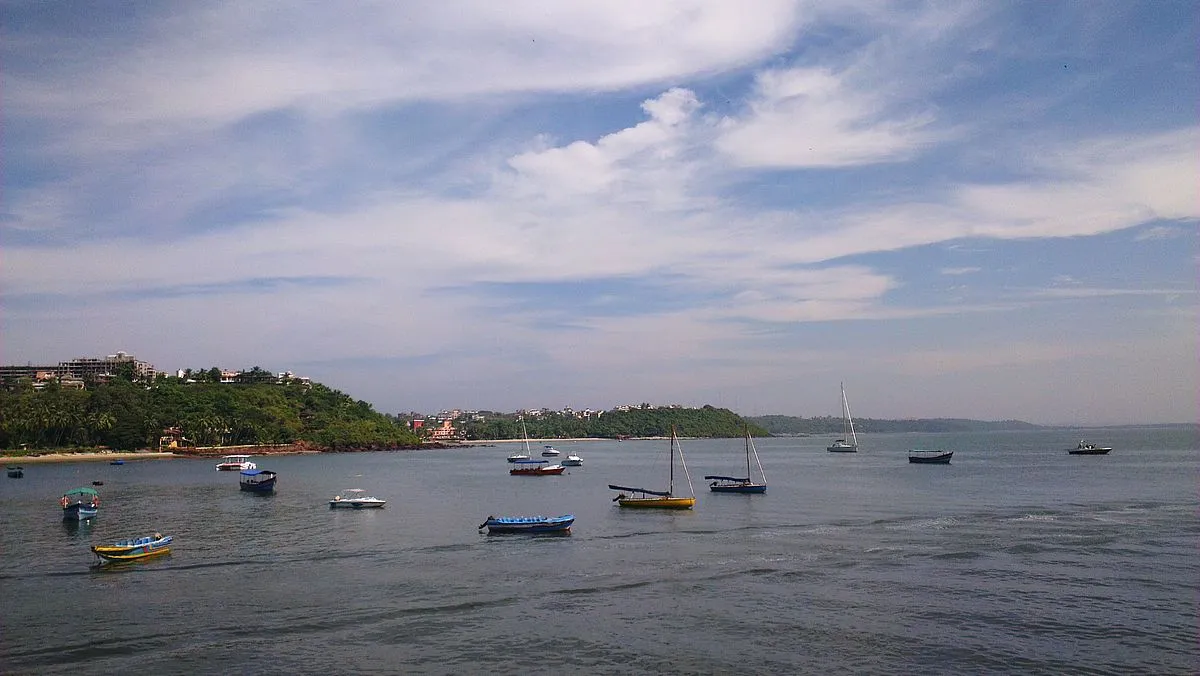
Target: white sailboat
{"points": [[518, 457], [841, 445]]}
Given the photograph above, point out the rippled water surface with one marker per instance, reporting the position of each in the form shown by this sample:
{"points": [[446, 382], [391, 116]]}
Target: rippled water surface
{"points": [[1017, 558]]}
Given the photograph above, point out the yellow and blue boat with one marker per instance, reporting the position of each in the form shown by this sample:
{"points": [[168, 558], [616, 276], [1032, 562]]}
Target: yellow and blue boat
{"points": [[134, 550]]}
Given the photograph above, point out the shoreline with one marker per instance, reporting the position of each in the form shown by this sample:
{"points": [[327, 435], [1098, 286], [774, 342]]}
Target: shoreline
{"points": [[14, 460]]}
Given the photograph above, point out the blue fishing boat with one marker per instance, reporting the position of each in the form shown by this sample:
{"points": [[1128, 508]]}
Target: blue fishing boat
{"points": [[117, 462], [258, 480], [134, 549], [528, 524], [733, 484], [79, 504]]}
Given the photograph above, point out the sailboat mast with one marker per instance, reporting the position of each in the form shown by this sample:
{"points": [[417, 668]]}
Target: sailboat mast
{"points": [[525, 434], [746, 427], [849, 418], [671, 458]]}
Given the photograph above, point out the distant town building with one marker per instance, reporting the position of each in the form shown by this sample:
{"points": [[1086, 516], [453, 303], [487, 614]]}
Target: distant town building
{"points": [[81, 369]]}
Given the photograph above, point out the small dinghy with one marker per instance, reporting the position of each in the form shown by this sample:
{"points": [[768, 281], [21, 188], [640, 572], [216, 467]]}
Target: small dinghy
{"points": [[528, 524], [134, 550]]}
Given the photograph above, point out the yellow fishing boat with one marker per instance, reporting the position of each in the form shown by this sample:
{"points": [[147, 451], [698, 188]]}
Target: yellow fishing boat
{"points": [[647, 499]]}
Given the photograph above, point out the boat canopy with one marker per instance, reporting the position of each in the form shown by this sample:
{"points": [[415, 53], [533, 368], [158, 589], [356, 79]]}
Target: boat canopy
{"points": [[665, 494], [84, 491], [531, 462]]}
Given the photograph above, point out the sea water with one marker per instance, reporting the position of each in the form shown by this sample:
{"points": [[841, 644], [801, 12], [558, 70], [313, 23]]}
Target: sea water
{"points": [[1015, 558]]}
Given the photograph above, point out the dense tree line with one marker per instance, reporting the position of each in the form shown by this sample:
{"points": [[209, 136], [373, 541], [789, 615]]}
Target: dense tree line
{"points": [[125, 415], [786, 424], [639, 422]]}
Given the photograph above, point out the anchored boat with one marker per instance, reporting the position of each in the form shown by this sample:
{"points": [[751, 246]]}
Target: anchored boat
{"points": [[841, 445], [133, 550], [356, 498], [258, 480], [730, 484], [922, 456], [80, 504], [535, 468], [235, 463], [648, 499], [528, 524]]}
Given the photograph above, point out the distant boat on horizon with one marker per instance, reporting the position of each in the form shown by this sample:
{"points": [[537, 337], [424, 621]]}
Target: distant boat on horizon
{"points": [[841, 445], [1085, 448]]}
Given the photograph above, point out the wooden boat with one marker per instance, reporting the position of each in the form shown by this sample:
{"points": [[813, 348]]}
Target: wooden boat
{"points": [[80, 504], [235, 463], [841, 445], [1084, 448], [133, 550], [258, 480], [528, 524], [15, 472], [355, 498], [648, 499], [729, 484], [535, 468], [518, 457], [926, 457]]}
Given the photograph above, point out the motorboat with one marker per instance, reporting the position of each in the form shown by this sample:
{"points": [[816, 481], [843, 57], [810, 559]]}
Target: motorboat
{"points": [[258, 480], [572, 460], [80, 504], [535, 468], [549, 451], [235, 463], [355, 498], [134, 549], [15, 472], [1085, 448]]}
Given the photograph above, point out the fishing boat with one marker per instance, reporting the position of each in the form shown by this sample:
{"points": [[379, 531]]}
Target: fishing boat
{"points": [[355, 498], [133, 550], [15, 472], [1085, 448], [645, 498], [258, 480], [117, 462], [572, 460], [535, 468], [729, 484], [549, 451], [922, 456], [528, 524], [235, 463], [518, 457], [79, 504], [841, 445]]}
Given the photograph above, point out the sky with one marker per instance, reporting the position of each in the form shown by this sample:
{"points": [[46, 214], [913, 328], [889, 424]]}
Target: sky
{"points": [[958, 210]]}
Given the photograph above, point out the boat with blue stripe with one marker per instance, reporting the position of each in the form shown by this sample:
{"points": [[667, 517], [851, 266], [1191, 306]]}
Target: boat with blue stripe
{"points": [[528, 524]]}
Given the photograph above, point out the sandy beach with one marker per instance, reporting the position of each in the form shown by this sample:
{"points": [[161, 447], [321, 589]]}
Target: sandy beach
{"points": [[80, 457]]}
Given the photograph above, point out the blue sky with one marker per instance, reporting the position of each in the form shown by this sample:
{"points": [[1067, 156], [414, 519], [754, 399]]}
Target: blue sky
{"points": [[968, 210]]}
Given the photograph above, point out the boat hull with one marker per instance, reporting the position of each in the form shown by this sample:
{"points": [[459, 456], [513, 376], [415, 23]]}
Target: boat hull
{"points": [[261, 487], [842, 448], [657, 503], [572, 463], [356, 504], [540, 471], [528, 525], [16, 473], [738, 488], [943, 459], [1089, 451], [79, 512]]}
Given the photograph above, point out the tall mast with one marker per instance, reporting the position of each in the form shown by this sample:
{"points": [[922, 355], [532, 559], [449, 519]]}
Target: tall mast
{"points": [[746, 427], [671, 457]]}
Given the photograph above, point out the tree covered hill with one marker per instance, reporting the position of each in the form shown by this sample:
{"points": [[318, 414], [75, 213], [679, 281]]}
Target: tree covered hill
{"points": [[786, 424], [706, 421], [126, 415]]}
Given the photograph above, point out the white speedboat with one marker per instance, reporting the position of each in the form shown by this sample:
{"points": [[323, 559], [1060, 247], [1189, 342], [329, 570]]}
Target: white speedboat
{"points": [[572, 460], [235, 463], [355, 498], [549, 451]]}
